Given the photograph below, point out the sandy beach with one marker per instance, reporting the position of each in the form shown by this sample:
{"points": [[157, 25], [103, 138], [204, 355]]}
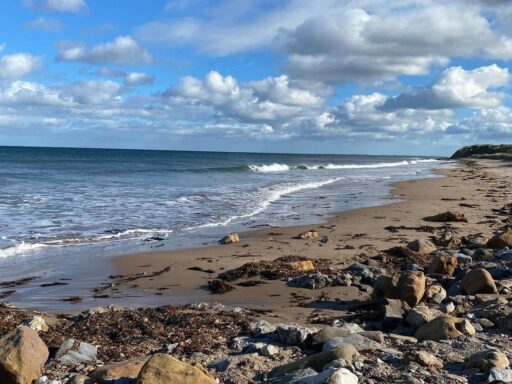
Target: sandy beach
{"points": [[473, 188]]}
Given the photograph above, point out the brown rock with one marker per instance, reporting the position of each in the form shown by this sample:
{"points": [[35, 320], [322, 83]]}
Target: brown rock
{"points": [[443, 265], [477, 281], [447, 217], [408, 286], [421, 246], [423, 358], [125, 369], [230, 238], [165, 369], [304, 265], [441, 328], [308, 235], [22, 356], [486, 360], [501, 240]]}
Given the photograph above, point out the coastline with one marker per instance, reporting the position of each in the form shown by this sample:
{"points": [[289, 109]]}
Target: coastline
{"points": [[362, 229]]}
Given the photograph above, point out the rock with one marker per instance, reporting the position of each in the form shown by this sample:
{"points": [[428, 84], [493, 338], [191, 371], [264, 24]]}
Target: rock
{"points": [[293, 334], [22, 356], [466, 327], [269, 350], [477, 281], [125, 369], [293, 377], [486, 360], [448, 238], [403, 339], [408, 286], [482, 254], [448, 307], [443, 265], [308, 235], [423, 247], [317, 361], [301, 265], [500, 375], [73, 352], [262, 328], [421, 315], [443, 327], [37, 323], [103, 309], [423, 358], [435, 294], [486, 323], [311, 281], [224, 363], [80, 379], [360, 342], [394, 312], [318, 339], [165, 369], [230, 238], [448, 216], [342, 376], [501, 240]]}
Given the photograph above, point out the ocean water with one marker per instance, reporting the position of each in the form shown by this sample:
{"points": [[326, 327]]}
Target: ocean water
{"points": [[61, 204]]}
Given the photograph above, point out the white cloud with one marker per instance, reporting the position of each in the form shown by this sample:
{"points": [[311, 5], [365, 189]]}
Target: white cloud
{"points": [[70, 6], [46, 24], [456, 88], [94, 91], [124, 50], [17, 65], [138, 78]]}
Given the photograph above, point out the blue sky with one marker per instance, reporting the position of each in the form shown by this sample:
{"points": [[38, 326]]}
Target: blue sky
{"points": [[329, 76]]}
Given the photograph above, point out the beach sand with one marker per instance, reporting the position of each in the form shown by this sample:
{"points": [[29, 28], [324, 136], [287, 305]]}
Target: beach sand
{"points": [[473, 188]]}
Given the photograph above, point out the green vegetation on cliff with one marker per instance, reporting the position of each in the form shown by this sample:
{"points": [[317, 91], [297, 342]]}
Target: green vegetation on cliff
{"points": [[485, 151]]}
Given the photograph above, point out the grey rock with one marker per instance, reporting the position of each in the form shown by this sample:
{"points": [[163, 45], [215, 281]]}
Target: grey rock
{"points": [[73, 352], [500, 375], [361, 343]]}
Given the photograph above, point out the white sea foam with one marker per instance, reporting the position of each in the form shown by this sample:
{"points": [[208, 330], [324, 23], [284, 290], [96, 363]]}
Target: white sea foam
{"points": [[275, 167], [19, 248]]}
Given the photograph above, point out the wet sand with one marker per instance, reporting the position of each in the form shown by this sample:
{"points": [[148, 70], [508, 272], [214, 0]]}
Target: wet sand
{"points": [[473, 188]]}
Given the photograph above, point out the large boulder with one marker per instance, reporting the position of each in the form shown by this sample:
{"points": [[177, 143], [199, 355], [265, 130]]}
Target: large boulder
{"points": [[477, 281], [22, 356], [443, 265], [447, 217], [421, 246], [408, 286], [74, 352], [435, 294], [421, 315], [486, 360], [501, 240], [441, 328], [165, 369], [126, 369]]}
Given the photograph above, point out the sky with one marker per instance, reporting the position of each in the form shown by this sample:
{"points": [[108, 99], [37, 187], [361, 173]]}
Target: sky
{"points": [[406, 77]]}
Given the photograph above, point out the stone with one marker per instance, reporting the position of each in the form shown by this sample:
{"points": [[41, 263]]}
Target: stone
{"points": [[360, 342], [262, 328], [486, 360], [301, 265], [125, 369], [483, 254], [423, 247], [317, 360], [230, 238], [435, 294], [443, 265], [500, 240], [269, 350], [500, 375], [394, 312], [80, 379], [22, 356], [165, 369], [423, 358], [74, 352], [342, 376], [441, 328], [448, 307], [293, 334], [312, 281], [308, 235], [421, 315], [224, 363], [403, 339], [448, 238], [466, 327], [408, 286], [37, 323], [448, 216], [477, 281], [318, 339]]}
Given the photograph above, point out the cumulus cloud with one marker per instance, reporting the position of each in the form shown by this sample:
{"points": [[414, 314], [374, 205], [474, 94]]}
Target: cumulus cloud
{"points": [[124, 50], [138, 78], [46, 24], [70, 6], [17, 65], [456, 88]]}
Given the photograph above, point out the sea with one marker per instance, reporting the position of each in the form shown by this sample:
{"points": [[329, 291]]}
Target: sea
{"points": [[70, 205]]}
